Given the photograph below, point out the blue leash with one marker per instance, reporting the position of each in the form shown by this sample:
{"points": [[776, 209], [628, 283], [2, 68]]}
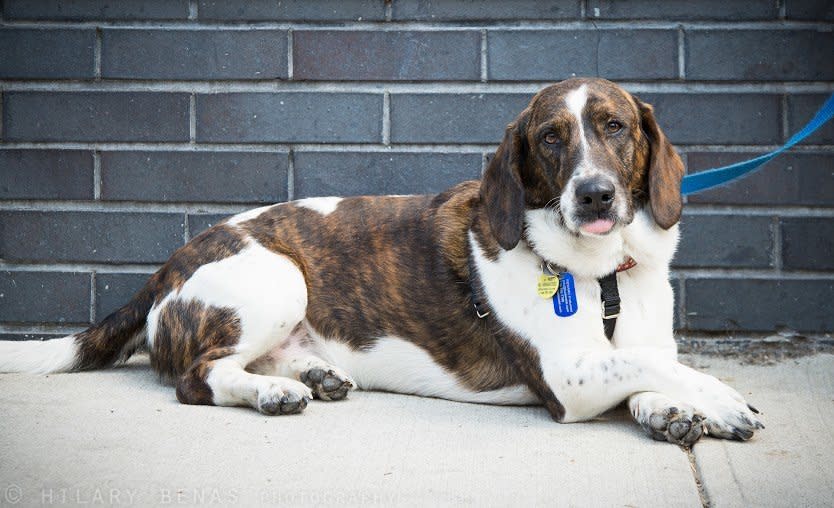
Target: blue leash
{"points": [[710, 178]]}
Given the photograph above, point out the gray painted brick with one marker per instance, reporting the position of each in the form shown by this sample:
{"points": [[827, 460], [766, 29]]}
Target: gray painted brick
{"points": [[197, 223], [296, 10], [808, 243], [44, 297], [469, 10], [46, 53], [726, 305], [329, 174], [46, 174], [811, 10], [113, 290], [107, 237], [453, 118], [289, 117], [388, 55], [194, 54], [95, 9], [780, 55], [704, 119], [95, 116], [725, 241], [801, 108], [790, 179], [554, 55], [241, 177], [682, 9]]}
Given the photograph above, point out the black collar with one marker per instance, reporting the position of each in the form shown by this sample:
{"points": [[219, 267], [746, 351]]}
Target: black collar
{"points": [[608, 290]]}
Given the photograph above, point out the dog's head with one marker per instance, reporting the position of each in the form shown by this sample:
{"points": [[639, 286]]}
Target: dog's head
{"points": [[590, 152]]}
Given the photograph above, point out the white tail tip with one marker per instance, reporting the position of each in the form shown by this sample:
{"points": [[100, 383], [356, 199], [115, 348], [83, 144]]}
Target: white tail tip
{"points": [[38, 357]]}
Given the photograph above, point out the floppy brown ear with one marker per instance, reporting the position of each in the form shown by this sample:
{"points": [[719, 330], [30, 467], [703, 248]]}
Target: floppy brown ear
{"points": [[665, 171], [502, 191]]}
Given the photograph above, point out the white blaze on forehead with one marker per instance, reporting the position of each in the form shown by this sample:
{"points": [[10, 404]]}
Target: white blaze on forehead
{"points": [[575, 100], [324, 206]]}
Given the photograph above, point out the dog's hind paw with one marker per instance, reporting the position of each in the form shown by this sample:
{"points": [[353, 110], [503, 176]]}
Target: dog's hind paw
{"points": [[328, 383]]}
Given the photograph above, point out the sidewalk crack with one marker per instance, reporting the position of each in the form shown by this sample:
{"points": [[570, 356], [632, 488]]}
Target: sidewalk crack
{"points": [[696, 475]]}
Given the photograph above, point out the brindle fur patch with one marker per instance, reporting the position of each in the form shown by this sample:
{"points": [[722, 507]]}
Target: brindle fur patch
{"points": [[393, 266], [104, 343], [186, 329]]}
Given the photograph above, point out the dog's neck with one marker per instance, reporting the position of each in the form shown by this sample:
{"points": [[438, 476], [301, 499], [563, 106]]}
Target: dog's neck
{"points": [[585, 256]]}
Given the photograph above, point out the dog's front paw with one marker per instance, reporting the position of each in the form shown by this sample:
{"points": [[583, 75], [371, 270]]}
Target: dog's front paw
{"points": [[727, 414], [664, 419], [328, 383], [678, 425]]}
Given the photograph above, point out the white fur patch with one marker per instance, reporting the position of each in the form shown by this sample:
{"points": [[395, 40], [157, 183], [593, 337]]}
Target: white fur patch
{"points": [[38, 357], [575, 101], [266, 289], [324, 206], [397, 365]]}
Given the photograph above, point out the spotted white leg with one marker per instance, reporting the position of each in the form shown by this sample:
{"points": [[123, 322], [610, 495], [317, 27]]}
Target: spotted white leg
{"points": [[231, 385], [589, 382]]}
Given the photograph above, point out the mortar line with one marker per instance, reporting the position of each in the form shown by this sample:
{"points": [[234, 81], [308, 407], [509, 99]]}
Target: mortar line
{"points": [[583, 9], [389, 10], [438, 147], [696, 476], [777, 244], [681, 53], [484, 57], [289, 54], [97, 55], [429, 26], [786, 132], [92, 297], [782, 9], [386, 119], [192, 119], [41, 329], [290, 175], [186, 234], [692, 209], [96, 175], [670, 86], [193, 10], [80, 267]]}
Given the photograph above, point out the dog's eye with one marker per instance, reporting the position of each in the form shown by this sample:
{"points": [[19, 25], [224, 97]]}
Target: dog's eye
{"points": [[551, 138], [613, 127]]}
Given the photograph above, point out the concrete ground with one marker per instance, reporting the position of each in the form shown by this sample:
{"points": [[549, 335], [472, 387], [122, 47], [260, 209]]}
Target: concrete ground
{"points": [[117, 437]]}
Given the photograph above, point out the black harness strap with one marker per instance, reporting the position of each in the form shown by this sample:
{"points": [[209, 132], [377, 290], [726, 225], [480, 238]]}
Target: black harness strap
{"points": [[610, 296]]}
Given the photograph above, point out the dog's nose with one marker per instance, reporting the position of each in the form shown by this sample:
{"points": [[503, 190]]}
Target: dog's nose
{"points": [[595, 195]]}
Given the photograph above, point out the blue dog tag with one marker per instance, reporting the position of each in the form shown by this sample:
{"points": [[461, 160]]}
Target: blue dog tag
{"points": [[564, 301]]}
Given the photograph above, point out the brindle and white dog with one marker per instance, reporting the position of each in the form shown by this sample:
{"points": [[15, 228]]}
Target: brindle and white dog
{"points": [[312, 298]]}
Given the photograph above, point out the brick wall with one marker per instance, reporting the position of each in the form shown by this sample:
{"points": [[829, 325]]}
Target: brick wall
{"points": [[129, 126]]}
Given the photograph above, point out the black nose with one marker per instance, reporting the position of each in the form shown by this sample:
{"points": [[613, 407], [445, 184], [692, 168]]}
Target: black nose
{"points": [[595, 195]]}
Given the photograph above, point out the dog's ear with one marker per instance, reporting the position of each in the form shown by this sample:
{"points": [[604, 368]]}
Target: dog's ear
{"points": [[665, 171], [502, 191]]}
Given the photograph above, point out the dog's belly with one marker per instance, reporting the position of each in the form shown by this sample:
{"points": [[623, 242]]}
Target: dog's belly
{"points": [[396, 365]]}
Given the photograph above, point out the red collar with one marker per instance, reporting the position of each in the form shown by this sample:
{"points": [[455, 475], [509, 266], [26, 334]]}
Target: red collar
{"points": [[627, 264]]}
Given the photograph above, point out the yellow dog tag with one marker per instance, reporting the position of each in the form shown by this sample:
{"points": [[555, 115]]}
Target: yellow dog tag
{"points": [[547, 285]]}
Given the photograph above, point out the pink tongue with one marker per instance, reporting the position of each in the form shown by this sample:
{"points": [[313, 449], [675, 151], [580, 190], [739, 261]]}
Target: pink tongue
{"points": [[598, 227]]}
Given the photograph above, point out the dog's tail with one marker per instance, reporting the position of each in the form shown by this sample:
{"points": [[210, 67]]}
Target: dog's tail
{"points": [[115, 337]]}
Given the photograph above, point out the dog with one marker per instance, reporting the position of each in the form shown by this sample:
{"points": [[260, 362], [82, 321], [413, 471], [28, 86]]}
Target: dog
{"points": [[546, 282]]}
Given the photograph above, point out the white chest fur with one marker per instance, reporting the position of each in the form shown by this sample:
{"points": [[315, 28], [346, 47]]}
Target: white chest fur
{"points": [[647, 301]]}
